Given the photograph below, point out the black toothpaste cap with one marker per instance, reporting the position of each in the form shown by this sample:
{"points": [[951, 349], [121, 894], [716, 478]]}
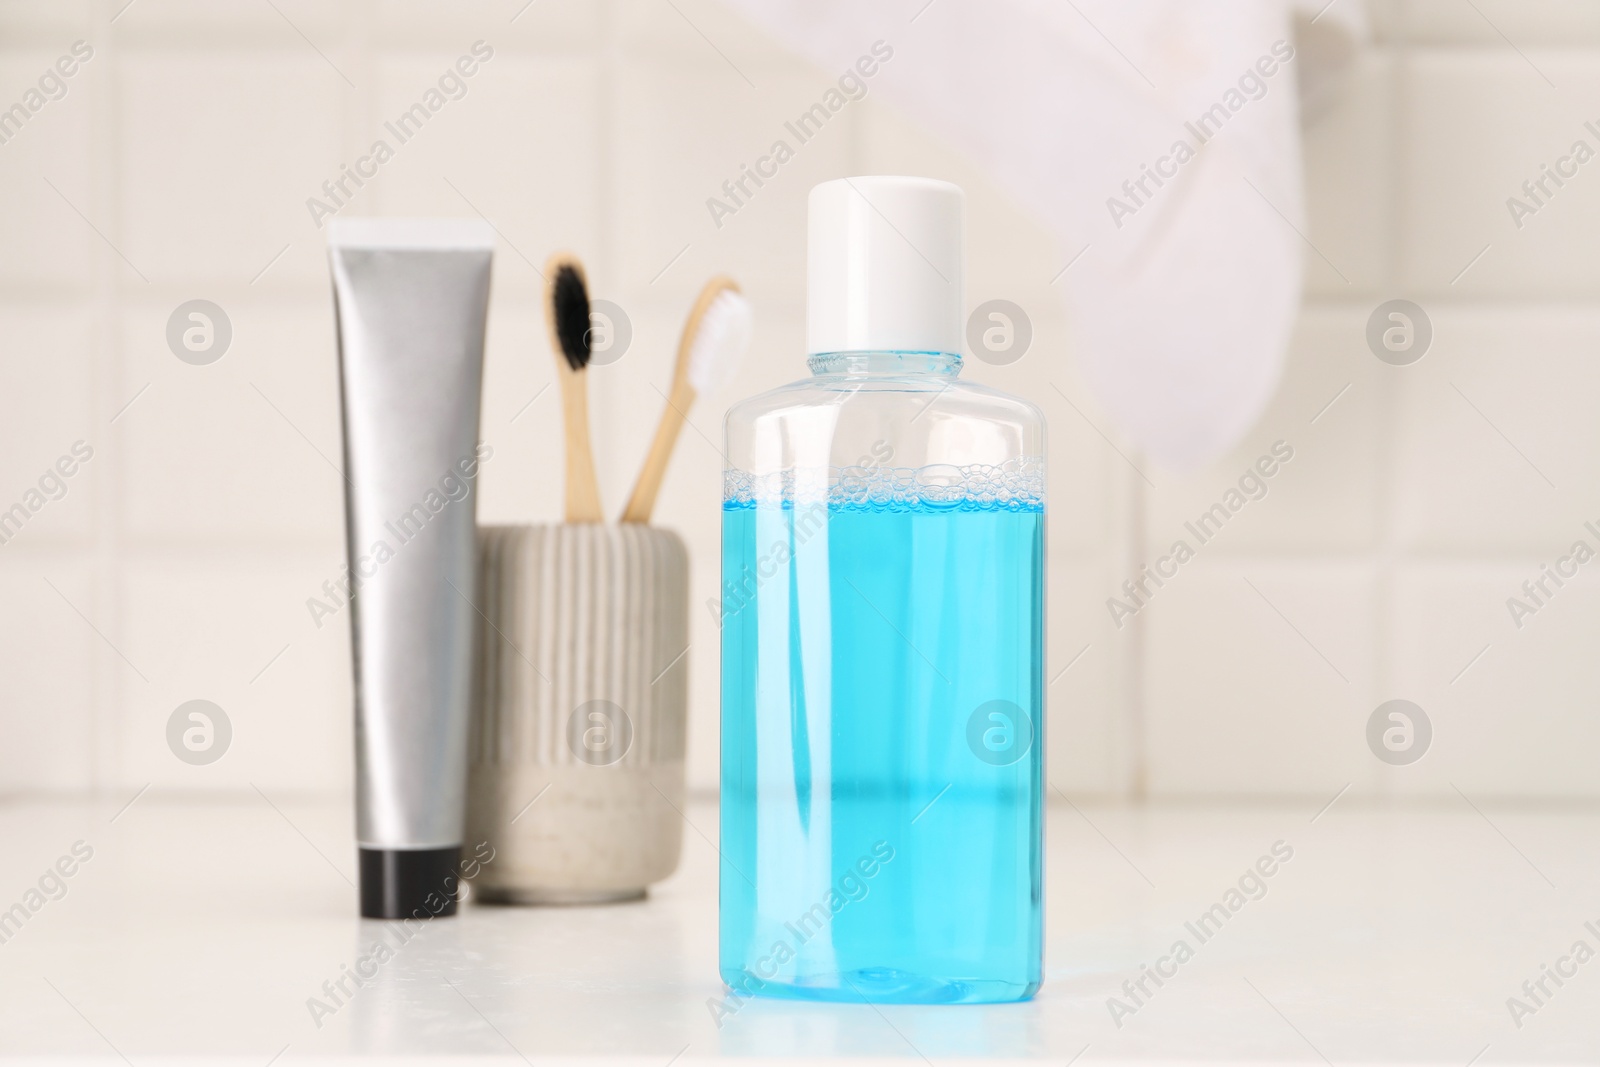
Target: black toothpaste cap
{"points": [[421, 883]]}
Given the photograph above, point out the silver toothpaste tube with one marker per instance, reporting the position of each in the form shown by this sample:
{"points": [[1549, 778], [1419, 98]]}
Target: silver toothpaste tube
{"points": [[411, 297]]}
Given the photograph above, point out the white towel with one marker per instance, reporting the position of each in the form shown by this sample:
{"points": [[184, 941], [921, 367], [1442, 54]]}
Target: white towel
{"points": [[1186, 290]]}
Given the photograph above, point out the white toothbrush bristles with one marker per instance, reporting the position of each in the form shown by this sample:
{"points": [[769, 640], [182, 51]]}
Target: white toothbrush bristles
{"points": [[721, 342]]}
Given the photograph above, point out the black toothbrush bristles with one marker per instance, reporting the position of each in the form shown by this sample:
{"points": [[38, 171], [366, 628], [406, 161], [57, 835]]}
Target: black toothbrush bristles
{"points": [[569, 300]]}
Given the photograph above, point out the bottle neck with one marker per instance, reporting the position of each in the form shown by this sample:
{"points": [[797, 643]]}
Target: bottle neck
{"points": [[890, 364]]}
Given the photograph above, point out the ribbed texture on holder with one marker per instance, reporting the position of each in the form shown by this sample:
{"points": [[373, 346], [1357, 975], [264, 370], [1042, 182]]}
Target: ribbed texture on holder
{"points": [[576, 613], [573, 614]]}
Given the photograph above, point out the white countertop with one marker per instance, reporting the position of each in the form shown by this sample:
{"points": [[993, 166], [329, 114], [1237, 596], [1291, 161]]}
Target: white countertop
{"points": [[1394, 934]]}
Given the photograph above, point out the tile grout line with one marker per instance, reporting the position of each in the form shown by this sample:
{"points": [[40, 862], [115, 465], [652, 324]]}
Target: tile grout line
{"points": [[1129, 764], [610, 65], [359, 112], [106, 719], [1137, 709], [1386, 557]]}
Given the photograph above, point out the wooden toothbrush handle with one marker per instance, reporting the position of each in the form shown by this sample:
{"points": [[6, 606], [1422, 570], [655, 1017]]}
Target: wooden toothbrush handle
{"points": [[583, 488], [643, 500]]}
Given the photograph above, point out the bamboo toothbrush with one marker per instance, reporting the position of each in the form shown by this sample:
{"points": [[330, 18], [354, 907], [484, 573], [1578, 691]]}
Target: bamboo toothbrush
{"points": [[714, 341], [566, 312]]}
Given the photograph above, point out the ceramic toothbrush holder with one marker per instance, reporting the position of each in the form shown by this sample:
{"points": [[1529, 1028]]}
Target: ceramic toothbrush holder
{"points": [[580, 701]]}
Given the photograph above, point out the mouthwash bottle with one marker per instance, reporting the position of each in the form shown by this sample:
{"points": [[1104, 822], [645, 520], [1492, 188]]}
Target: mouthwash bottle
{"points": [[883, 637]]}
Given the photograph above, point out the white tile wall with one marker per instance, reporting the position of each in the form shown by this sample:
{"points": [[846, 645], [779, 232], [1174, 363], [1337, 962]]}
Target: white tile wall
{"points": [[1350, 180], [230, 627], [50, 361], [178, 562], [1261, 677], [50, 691], [1496, 21], [243, 451], [1477, 123], [218, 150], [496, 150], [1492, 447], [48, 171], [1329, 409]]}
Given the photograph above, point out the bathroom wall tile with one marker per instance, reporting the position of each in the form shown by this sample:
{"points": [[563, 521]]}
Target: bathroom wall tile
{"points": [[1510, 707], [220, 152], [1478, 123], [44, 20], [540, 25], [1082, 466], [699, 31], [234, 630], [48, 244], [522, 146], [46, 407], [1085, 733], [1494, 22], [670, 162], [1349, 178], [245, 449], [1386, 20], [523, 481], [1329, 409], [46, 659], [1259, 679], [1488, 450], [306, 27]]}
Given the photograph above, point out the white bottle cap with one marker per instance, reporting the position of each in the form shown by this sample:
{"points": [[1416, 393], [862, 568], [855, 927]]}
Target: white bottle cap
{"points": [[884, 264]]}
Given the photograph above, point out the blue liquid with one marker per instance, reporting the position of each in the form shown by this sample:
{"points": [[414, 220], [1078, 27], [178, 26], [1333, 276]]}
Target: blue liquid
{"points": [[882, 706]]}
